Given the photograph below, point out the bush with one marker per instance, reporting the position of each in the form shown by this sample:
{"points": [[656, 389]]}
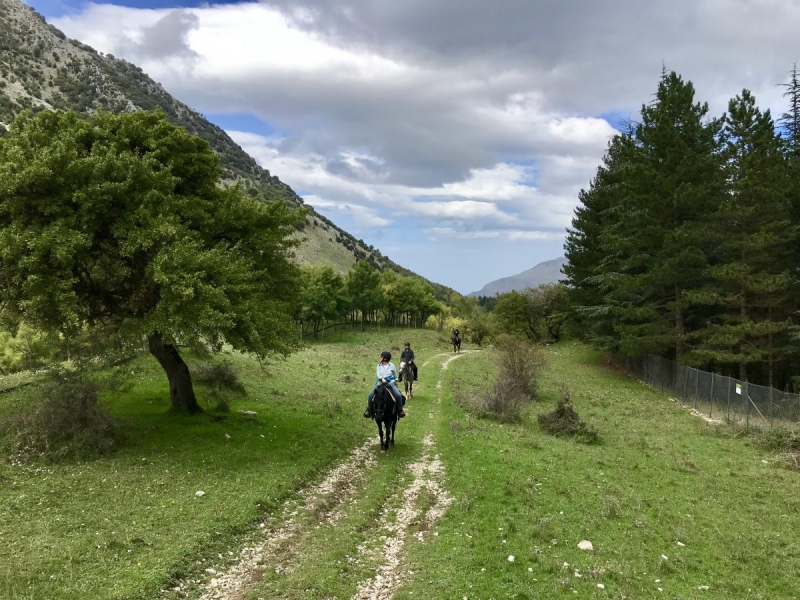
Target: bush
{"points": [[520, 361], [223, 380], [67, 422], [565, 422], [504, 400], [782, 440]]}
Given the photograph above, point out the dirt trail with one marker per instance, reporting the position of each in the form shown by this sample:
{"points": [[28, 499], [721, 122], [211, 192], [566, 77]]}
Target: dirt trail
{"points": [[325, 503]]}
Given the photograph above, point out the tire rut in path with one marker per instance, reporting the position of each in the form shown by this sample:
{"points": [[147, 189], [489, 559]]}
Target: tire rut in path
{"points": [[322, 501]]}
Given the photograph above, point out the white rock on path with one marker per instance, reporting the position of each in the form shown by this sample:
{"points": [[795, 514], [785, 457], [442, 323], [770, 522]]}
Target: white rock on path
{"points": [[199, 493], [585, 545], [511, 558]]}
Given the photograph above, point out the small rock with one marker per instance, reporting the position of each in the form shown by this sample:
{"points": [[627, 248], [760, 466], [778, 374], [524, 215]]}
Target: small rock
{"points": [[227, 435], [199, 493], [586, 545], [704, 588], [664, 557], [511, 558], [681, 544], [660, 589], [601, 586], [249, 413]]}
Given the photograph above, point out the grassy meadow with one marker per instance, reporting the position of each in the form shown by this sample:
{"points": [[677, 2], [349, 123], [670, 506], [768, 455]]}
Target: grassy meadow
{"points": [[674, 507]]}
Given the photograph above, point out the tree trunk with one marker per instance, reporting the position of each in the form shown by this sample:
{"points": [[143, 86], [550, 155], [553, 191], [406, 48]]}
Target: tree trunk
{"points": [[181, 392], [679, 327]]}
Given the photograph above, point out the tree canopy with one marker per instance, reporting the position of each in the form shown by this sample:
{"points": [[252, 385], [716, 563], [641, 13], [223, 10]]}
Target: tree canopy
{"points": [[120, 221]]}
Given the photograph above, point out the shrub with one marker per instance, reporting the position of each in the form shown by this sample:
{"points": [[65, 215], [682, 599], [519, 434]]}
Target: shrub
{"points": [[782, 440], [565, 422], [504, 400], [223, 380], [520, 361], [66, 422]]}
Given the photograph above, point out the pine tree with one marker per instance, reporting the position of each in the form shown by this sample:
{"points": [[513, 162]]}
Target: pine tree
{"points": [[752, 278], [590, 264], [664, 233]]}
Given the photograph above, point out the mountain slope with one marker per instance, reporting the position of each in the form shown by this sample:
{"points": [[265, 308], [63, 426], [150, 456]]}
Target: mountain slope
{"points": [[548, 271], [41, 68]]}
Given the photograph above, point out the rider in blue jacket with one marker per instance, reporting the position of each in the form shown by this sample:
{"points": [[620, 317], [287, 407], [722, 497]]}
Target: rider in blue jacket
{"points": [[386, 373]]}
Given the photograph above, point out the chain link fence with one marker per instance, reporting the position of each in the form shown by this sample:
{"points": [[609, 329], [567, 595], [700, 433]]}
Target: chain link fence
{"points": [[717, 396]]}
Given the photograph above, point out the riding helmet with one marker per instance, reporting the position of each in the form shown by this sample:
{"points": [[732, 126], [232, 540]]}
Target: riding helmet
{"points": [[386, 354], [408, 344]]}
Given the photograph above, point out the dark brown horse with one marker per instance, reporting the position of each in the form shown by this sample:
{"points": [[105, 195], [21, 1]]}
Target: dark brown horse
{"points": [[455, 339], [386, 412]]}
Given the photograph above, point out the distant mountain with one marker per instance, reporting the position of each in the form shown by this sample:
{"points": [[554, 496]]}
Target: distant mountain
{"points": [[41, 68], [548, 271]]}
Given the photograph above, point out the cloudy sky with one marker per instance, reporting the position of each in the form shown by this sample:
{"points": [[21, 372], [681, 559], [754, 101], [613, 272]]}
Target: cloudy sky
{"points": [[454, 135]]}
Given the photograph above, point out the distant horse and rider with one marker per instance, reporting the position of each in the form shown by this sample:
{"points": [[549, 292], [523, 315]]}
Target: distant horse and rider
{"points": [[455, 339]]}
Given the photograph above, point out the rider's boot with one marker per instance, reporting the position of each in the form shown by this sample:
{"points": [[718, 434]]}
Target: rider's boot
{"points": [[368, 414]]}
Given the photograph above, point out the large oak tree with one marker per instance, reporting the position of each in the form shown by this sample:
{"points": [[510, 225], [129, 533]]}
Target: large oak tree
{"points": [[120, 221]]}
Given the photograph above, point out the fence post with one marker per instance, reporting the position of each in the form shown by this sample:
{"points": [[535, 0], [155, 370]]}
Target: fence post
{"points": [[711, 410], [770, 405], [685, 380], [728, 404], [696, 385], [746, 395]]}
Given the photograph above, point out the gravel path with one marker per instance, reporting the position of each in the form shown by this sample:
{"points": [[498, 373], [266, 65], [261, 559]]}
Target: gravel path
{"points": [[326, 502]]}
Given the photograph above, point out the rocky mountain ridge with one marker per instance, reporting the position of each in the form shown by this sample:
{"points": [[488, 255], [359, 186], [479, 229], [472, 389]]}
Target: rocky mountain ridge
{"points": [[40, 68], [548, 271]]}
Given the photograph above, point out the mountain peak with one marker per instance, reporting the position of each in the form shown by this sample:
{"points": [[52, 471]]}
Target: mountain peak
{"points": [[548, 271]]}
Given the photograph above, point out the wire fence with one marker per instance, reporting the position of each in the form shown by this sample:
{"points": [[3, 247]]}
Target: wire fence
{"points": [[721, 398]]}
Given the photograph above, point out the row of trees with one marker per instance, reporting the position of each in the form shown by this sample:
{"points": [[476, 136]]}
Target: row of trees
{"points": [[364, 295], [684, 242]]}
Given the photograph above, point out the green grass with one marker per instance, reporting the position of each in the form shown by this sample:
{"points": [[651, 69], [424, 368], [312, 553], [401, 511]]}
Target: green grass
{"points": [[658, 477], [127, 525]]}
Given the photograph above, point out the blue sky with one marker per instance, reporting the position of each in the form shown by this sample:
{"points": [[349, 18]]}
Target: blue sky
{"points": [[453, 135]]}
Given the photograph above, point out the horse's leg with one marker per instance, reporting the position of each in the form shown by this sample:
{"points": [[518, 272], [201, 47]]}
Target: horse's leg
{"points": [[380, 431]]}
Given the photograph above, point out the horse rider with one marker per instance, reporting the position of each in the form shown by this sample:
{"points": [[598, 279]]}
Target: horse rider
{"points": [[407, 356], [387, 373], [456, 335]]}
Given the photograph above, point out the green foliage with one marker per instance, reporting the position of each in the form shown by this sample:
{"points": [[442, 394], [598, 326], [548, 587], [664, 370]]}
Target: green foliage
{"points": [[683, 245], [323, 296], [119, 222], [120, 218], [363, 288], [28, 348]]}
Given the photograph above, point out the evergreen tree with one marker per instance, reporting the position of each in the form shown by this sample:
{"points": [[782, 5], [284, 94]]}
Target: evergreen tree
{"points": [[664, 235], [753, 280], [591, 264]]}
